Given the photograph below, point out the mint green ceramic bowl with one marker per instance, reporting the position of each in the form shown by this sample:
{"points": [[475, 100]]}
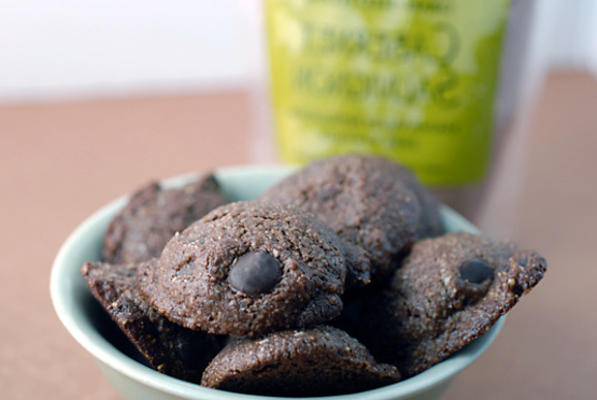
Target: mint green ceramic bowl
{"points": [[78, 311]]}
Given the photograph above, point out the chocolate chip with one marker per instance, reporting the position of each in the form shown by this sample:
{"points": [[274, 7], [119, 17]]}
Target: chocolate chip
{"points": [[254, 273], [476, 271]]}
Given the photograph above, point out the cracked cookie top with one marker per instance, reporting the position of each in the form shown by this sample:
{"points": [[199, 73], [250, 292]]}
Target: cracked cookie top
{"points": [[313, 362], [251, 267], [448, 291], [369, 201]]}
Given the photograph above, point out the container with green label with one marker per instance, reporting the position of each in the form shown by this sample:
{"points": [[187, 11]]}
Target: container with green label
{"points": [[417, 81]]}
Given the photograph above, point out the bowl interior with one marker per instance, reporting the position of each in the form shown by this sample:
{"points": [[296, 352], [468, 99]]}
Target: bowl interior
{"points": [[87, 322]]}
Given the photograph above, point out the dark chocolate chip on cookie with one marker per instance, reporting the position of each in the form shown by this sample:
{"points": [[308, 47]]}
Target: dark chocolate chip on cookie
{"points": [[153, 215], [314, 362], [169, 348], [369, 201], [252, 267], [448, 291]]}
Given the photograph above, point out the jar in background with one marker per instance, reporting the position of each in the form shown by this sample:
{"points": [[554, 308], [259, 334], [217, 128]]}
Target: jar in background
{"points": [[433, 84]]}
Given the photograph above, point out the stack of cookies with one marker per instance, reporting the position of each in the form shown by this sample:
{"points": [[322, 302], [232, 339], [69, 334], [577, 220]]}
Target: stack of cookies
{"points": [[336, 280]]}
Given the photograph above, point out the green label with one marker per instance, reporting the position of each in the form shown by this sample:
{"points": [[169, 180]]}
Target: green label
{"points": [[413, 80]]}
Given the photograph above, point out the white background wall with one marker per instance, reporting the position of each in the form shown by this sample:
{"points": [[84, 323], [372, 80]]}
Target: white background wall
{"points": [[88, 48]]}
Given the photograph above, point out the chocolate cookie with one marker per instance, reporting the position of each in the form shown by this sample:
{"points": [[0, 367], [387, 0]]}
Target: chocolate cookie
{"points": [[169, 348], [315, 362], [449, 291], [153, 215], [252, 267], [369, 201], [430, 221]]}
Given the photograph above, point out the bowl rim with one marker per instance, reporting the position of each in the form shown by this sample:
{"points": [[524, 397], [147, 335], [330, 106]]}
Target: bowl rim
{"points": [[105, 352]]}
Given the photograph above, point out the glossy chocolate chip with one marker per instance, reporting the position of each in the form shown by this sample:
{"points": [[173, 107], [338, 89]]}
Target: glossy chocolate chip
{"points": [[476, 271], [254, 273]]}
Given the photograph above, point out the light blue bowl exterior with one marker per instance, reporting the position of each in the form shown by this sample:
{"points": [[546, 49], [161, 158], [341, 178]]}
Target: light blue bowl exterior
{"points": [[133, 380]]}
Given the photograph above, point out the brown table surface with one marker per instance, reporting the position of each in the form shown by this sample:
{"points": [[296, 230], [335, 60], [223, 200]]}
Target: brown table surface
{"points": [[60, 162]]}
